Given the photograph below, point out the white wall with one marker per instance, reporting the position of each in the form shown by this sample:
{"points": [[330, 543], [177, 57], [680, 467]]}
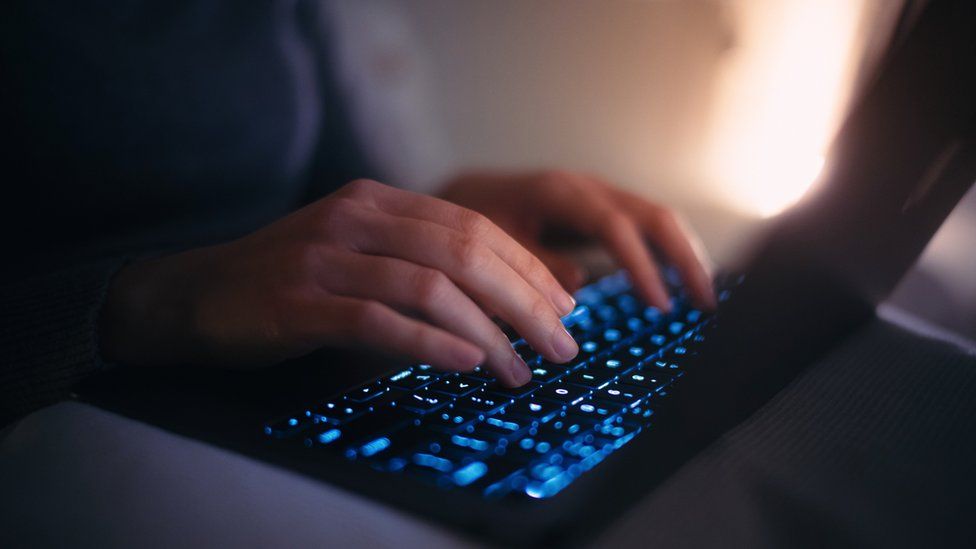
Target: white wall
{"points": [[650, 94]]}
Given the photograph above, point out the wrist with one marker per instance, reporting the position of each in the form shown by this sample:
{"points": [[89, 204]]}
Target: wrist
{"points": [[143, 320]]}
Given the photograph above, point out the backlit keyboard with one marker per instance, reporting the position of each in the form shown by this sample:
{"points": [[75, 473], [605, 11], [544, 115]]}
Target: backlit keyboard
{"points": [[467, 432]]}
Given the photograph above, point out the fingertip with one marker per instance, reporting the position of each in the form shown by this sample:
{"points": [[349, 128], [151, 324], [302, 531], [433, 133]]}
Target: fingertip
{"points": [[467, 357], [657, 296], [519, 372], [705, 296]]}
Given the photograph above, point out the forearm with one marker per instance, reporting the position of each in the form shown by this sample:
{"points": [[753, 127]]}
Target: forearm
{"points": [[49, 335]]}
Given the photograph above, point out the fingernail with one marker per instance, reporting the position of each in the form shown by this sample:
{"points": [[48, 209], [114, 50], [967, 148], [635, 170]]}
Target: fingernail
{"points": [[564, 345], [520, 372], [564, 302]]}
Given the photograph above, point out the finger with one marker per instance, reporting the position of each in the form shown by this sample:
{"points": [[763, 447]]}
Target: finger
{"points": [[376, 326], [408, 286], [476, 270], [418, 206], [590, 212], [682, 249], [569, 273]]}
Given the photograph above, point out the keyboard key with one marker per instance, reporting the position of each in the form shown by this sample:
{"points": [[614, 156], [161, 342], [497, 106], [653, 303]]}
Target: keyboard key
{"points": [[472, 443], [528, 354], [338, 411], [528, 449], [508, 425], [455, 386], [411, 379], [662, 366], [618, 430], [621, 394], [372, 426], [539, 410], [594, 410], [588, 349], [512, 392], [612, 366], [546, 372], [434, 462], [366, 392], [589, 379], [423, 402], [566, 427], [502, 477], [391, 443], [390, 398], [450, 420], [657, 340], [289, 426], [330, 437], [480, 374], [563, 393], [499, 430], [469, 473], [645, 379], [481, 403]]}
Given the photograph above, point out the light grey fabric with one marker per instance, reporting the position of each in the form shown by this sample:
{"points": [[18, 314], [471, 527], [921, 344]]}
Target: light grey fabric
{"points": [[873, 446]]}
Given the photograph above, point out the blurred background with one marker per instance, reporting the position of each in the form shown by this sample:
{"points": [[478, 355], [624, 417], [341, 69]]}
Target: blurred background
{"points": [[721, 109]]}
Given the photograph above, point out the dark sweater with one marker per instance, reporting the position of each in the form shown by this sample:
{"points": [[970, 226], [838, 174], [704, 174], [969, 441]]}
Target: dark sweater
{"points": [[138, 128]]}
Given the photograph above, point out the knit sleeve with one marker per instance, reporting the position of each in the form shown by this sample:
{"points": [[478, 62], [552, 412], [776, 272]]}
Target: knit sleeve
{"points": [[48, 335]]}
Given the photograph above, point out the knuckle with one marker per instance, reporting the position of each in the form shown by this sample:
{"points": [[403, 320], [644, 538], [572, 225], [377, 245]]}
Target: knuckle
{"points": [[304, 257], [556, 176], [359, 188], [430, 285], [529, 266], [338, 213], [471, 255], [540, 309], [474, 223], [614, 222]]}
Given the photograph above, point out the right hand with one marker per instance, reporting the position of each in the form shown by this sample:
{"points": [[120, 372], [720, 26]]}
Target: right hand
{"points": [[369, 266]]}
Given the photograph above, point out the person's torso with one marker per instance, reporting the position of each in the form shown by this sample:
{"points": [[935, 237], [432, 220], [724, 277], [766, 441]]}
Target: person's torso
{"points": [[133, 122]]}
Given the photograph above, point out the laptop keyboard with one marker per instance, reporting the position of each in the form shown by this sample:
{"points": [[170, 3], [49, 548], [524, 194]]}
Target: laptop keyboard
{"points": [[467, 432]]}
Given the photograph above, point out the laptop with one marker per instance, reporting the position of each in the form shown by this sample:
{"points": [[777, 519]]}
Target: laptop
{"points": [[550, 463]]}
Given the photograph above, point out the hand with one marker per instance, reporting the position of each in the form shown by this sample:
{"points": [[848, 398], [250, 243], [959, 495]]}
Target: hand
{"points": [[368, 265], [530, 206]]}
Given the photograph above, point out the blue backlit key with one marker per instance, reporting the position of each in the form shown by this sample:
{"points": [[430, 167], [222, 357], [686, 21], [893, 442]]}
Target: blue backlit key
{"points": [[562, 393], [338, 411], [481, 403], [423, 402], [449, 420], [289, 426], [590, 379], [512, 392], [595, 410], [411, 379], [456, 386], [366, 392], [539, 410], [646, 379], [546, 372], [621, 394]]}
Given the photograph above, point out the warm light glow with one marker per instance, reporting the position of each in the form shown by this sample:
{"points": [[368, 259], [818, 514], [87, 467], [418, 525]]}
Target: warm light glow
{"points": [[783, 89]]}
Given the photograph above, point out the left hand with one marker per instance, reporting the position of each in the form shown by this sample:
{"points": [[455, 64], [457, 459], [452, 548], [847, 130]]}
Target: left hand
{"points": [[530, 206]]}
